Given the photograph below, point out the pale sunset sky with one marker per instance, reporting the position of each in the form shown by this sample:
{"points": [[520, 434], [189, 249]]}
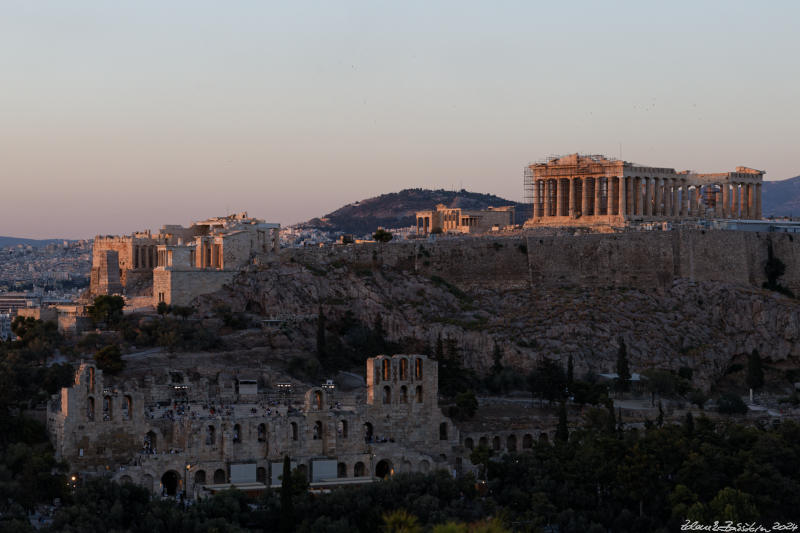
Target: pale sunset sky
{"points": [[119, 116]]}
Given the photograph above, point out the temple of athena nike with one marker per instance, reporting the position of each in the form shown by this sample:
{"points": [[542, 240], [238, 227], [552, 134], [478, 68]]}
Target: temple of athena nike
{"points": [[577, 190]]}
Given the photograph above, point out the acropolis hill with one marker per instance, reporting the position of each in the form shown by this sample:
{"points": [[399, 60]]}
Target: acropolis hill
{"points": [[680, 298]]}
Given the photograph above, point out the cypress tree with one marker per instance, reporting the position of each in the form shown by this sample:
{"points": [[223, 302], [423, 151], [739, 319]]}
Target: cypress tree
{"points": [[497, 357], [755, 374], [287, 506], [570, 372], [562, 432], [439, 354], [623, 371], [321, 334]]}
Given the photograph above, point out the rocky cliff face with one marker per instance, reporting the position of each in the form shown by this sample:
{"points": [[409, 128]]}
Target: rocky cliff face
{"points": [[668, 300]]}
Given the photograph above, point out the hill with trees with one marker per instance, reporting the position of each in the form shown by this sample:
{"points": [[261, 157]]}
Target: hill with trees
{"points": [[395, 210]]}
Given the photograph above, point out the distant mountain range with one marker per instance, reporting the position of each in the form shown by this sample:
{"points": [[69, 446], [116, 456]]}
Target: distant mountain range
{"points": [[36, 243], [781, 198], [396, 210]]}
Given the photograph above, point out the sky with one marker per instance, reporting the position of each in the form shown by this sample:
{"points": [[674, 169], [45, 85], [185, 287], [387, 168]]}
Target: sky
{"points": [[123, 116]]}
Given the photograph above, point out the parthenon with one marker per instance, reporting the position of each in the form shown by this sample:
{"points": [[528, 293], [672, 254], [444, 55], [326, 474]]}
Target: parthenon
{"points": [[593, 189]]}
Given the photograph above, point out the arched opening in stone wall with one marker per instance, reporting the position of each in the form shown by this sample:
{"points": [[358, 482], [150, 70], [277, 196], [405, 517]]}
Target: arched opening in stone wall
{"points": [[385, 372], [219, 476], [483, 441], [91, 379], [127, 408], [418, 395], [403, 394], [418, 368], [318, 400], [150, 442], [358, 470], [511, 443], [200, 477], [342, 429], [383, 470], [368, 432], [107, 408], [341, 470], [294, 430], [496, 443], [469, 443], [387, 395], [261, 474], [90, 408], [527, 441], [169, 483], [404, 369], [443, 431], [317, 430], [237, 432], [262, 433]]}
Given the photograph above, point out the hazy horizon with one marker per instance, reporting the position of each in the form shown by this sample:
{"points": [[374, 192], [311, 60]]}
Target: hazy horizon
{"points": [[121, 117]]}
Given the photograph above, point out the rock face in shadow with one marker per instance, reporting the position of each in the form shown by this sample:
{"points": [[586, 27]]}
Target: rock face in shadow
{"points": [[678, 299]]}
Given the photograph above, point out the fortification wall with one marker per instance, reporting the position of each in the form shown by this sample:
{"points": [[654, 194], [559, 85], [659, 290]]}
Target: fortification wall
{"points": [[655, 259], [499, 261], [180, 287], [643, 260]]}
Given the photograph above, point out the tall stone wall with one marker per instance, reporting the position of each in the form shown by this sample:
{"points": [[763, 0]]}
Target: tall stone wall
{"points": [[105, 273], [654, 260], [643, 260], [180, 287]]}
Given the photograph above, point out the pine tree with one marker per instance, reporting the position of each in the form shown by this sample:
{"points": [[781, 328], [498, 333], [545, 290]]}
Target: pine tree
{"points": [[287, 506]]}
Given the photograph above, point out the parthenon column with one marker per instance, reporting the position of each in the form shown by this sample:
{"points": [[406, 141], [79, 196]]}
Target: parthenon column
{"points": [[667, 197], [676, 207], [726, 201], [597, 197], [546, 198], [647, 205], [559, 201], [631, 191], [684, 198], [571, 200], [718, 203], [736, 200], [659, 208], [751, 212], [758, 201], [613, 197], [586, 199], [535, 199], [623, 196]]}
